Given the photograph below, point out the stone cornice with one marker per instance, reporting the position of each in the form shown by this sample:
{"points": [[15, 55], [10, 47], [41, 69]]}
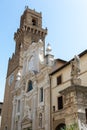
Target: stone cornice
{"points": [[76, 88]]}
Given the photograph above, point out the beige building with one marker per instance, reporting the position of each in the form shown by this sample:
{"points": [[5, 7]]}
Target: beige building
{"points": [[69, 94]]}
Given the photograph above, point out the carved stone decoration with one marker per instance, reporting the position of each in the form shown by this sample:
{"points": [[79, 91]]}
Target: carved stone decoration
{"points": [[75, 71], [41, 55], [35, 85], [31, 73], [27, 112], [31, 63]]}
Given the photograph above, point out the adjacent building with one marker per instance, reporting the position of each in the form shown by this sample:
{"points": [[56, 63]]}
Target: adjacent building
{"points": [[69, 94]]}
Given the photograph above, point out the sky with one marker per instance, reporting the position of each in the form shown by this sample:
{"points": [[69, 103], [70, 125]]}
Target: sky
{"points": [[66, 21]]}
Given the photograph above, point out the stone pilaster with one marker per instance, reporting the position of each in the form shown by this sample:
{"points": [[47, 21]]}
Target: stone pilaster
{"points": [[47, 108], [13, 114], [34, 125]]}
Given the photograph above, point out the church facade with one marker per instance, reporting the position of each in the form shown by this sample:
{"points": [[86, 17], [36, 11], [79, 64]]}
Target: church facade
{"points": [[42, 93], [31, 102]]}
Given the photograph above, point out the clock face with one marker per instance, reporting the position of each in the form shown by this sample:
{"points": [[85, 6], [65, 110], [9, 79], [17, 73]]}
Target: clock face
{"points": [[41, 55]]}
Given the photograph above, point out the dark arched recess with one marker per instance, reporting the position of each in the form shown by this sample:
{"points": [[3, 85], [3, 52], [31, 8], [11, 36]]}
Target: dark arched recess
{"points": [[60, 126]]}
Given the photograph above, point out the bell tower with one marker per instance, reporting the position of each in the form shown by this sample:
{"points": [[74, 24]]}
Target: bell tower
{"points": [[30, 31]]}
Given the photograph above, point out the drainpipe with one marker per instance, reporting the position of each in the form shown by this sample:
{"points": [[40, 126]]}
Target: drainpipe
{"points": [[50, 105]]}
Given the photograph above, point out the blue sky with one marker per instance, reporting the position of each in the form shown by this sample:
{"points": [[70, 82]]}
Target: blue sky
{"points": [[66, 21]]}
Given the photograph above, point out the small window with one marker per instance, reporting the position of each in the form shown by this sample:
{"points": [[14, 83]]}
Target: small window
{"points": [[28, 128], [40, 120], [34, 22], [16, 125], [59, 80], [18, 105], [86, 115], [53, 108], [41, 94], [60, 103], [30, 87], [5, 127]]}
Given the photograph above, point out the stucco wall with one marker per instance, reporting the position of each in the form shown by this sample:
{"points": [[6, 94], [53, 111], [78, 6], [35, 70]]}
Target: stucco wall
{"points": [[66, 79]]}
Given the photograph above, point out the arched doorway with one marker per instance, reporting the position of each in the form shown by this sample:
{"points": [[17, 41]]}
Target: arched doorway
{"points": [[60, 126]]}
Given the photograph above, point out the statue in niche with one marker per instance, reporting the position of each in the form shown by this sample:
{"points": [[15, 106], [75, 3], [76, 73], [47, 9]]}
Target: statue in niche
{"points": [[75, 70], [28, 112]]}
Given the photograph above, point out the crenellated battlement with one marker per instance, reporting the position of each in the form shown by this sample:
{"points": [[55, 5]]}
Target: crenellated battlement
{"points": [[32, 30]]}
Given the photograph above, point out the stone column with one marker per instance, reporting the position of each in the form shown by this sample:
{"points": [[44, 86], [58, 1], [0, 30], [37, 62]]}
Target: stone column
{"points": [[22, 105], [21, 110], [35, 97], [13, 114], [47, 108]]}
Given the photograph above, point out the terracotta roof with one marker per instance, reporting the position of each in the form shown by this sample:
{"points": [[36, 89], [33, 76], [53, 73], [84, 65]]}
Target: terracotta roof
{"points": [[67, 63], [61, 60]]}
